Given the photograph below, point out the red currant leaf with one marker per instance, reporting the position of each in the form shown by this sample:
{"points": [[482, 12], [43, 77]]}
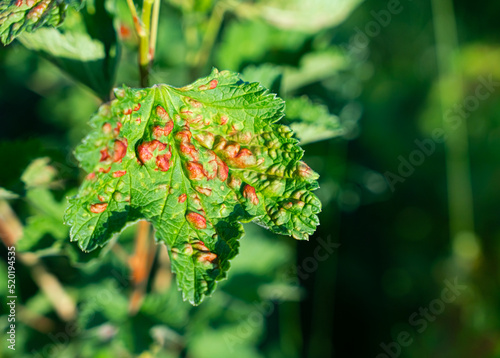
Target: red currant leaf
{"points": [[195, 162], [18, 16]]}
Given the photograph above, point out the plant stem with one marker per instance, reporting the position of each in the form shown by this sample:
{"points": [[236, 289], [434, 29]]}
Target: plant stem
{"points": [[451, 89], [214, 24], [140, 264], [154, 29], [133, 11], [144, 55], [145, 34]]}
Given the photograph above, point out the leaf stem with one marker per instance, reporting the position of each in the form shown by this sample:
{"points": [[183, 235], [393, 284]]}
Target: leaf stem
{"points": [[154, 29], [133, 11]]}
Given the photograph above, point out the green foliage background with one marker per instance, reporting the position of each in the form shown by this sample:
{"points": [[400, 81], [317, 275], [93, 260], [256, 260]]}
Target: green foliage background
{"points": [[357, 111]]}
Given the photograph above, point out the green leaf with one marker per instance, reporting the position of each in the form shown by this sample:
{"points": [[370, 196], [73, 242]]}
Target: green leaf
{"points": [[307, 16], [311, 121], [36, 228], [85, 47], [19, 16], [47, 212], [267, 74], [196, 162], [246, 42], [39, 173], [314, 66]]}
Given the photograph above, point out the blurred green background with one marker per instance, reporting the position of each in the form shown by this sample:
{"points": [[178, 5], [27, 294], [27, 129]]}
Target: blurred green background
{"points": [[397, 107]]}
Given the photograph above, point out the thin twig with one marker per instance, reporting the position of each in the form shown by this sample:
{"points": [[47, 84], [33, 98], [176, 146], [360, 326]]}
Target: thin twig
{"points": [[163, 277], [120, 253], [213, 27], [11, 231], [35, 320], [140, 264], [11, 228], [51, 287]]}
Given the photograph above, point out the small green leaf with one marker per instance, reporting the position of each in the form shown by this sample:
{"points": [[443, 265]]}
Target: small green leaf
{"points": [[311, 121], [196, 162], [46, 220], [314, 66], [36, 228], [267, 74], [19, 16], [85, 47], [47, 211], [39, 173]]}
